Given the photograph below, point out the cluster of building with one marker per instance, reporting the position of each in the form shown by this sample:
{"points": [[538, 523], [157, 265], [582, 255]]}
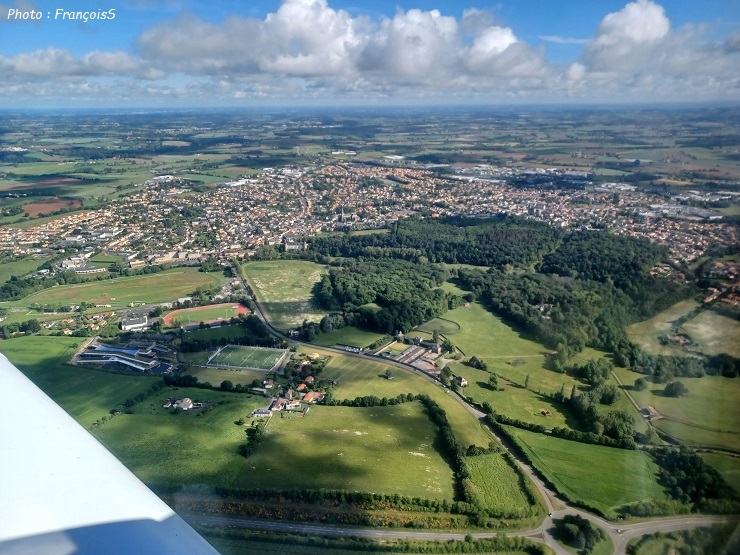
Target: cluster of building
{"points": [[159, 225]]}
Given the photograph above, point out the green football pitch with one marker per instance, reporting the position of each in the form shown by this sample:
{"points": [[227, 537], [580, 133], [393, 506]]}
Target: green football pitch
{"points": [[258, 358]]}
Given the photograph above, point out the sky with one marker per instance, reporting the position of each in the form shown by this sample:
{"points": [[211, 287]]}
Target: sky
{"points": [[191, 53]]}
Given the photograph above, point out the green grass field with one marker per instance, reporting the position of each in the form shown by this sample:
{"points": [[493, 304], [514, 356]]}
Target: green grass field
{"points": [[218, 375], [726, 465], [497, 484], [10, 268], [191, 316], [348, 335], [165, 448], [706, 416], [646, 333], [715, 333], [284, 288], [485, 335], [604, 478], [256, 358], [379, 449], [515, 401], [358, 377], [119, 292], [228, 332], [85, 393]]}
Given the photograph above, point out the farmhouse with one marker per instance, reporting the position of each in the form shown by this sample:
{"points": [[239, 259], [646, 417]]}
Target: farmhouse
{"points": [[261, 413], [314, 397], [186, 403], [278, 404], [460, 381]]}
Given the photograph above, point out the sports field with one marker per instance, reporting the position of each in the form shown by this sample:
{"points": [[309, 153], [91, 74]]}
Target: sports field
{"points": [[604, 478], [120, 292], [284, 289], [256, 358], [380, 449], [208, 314]]}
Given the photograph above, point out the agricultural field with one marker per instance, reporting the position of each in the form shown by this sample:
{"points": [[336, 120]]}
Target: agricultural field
{"points": [[163, 448], [348, 335], [604, 478], [119, 292], [284, 289], [358, 377], [378, 449], [211, 313], [715, 333], [646, 333], [727, 466], [86, 393], [706, 416], [497, 484], [254, 358]]}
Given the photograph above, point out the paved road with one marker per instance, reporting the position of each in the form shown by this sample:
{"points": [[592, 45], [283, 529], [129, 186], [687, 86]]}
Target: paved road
{"points": [[620, 536], [556, 508]]}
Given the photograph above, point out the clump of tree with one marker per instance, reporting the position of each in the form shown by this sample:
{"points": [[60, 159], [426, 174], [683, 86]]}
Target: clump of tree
{"points": [[675, 389], [576, 531]]}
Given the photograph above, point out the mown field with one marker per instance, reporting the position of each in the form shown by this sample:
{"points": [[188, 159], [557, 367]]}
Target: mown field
{"points": [[348, 335], [119, 292], [715, 333], [254, 358], [379, 449], [161, 447], [706, 416], [646, 333], [85, 393], [497, 484], [604, 478], [358, 377], [217, 375], [485, 335], [284, 288]]}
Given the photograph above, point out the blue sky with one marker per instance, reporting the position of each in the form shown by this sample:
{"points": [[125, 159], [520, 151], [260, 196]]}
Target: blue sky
{"points": [[251, 52]]}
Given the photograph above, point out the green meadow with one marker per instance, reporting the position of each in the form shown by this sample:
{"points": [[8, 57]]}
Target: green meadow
{"points": [[497, 484], [727, 466], [357, 377], [706, 416], [165, 448], [379, 449], [348, 335], [86, 393], [604, 478], [151, 288], [10, 268]]}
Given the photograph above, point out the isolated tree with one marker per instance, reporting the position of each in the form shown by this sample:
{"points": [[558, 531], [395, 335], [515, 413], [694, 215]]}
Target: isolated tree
{"points": [[641, 384], [493, 381], [675, 389], [435, 336], [526, 382], [388, 374], [226, 385]]}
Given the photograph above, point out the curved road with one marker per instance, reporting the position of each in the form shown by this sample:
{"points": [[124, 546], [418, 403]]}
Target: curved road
{"points": [[620, 534]]}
